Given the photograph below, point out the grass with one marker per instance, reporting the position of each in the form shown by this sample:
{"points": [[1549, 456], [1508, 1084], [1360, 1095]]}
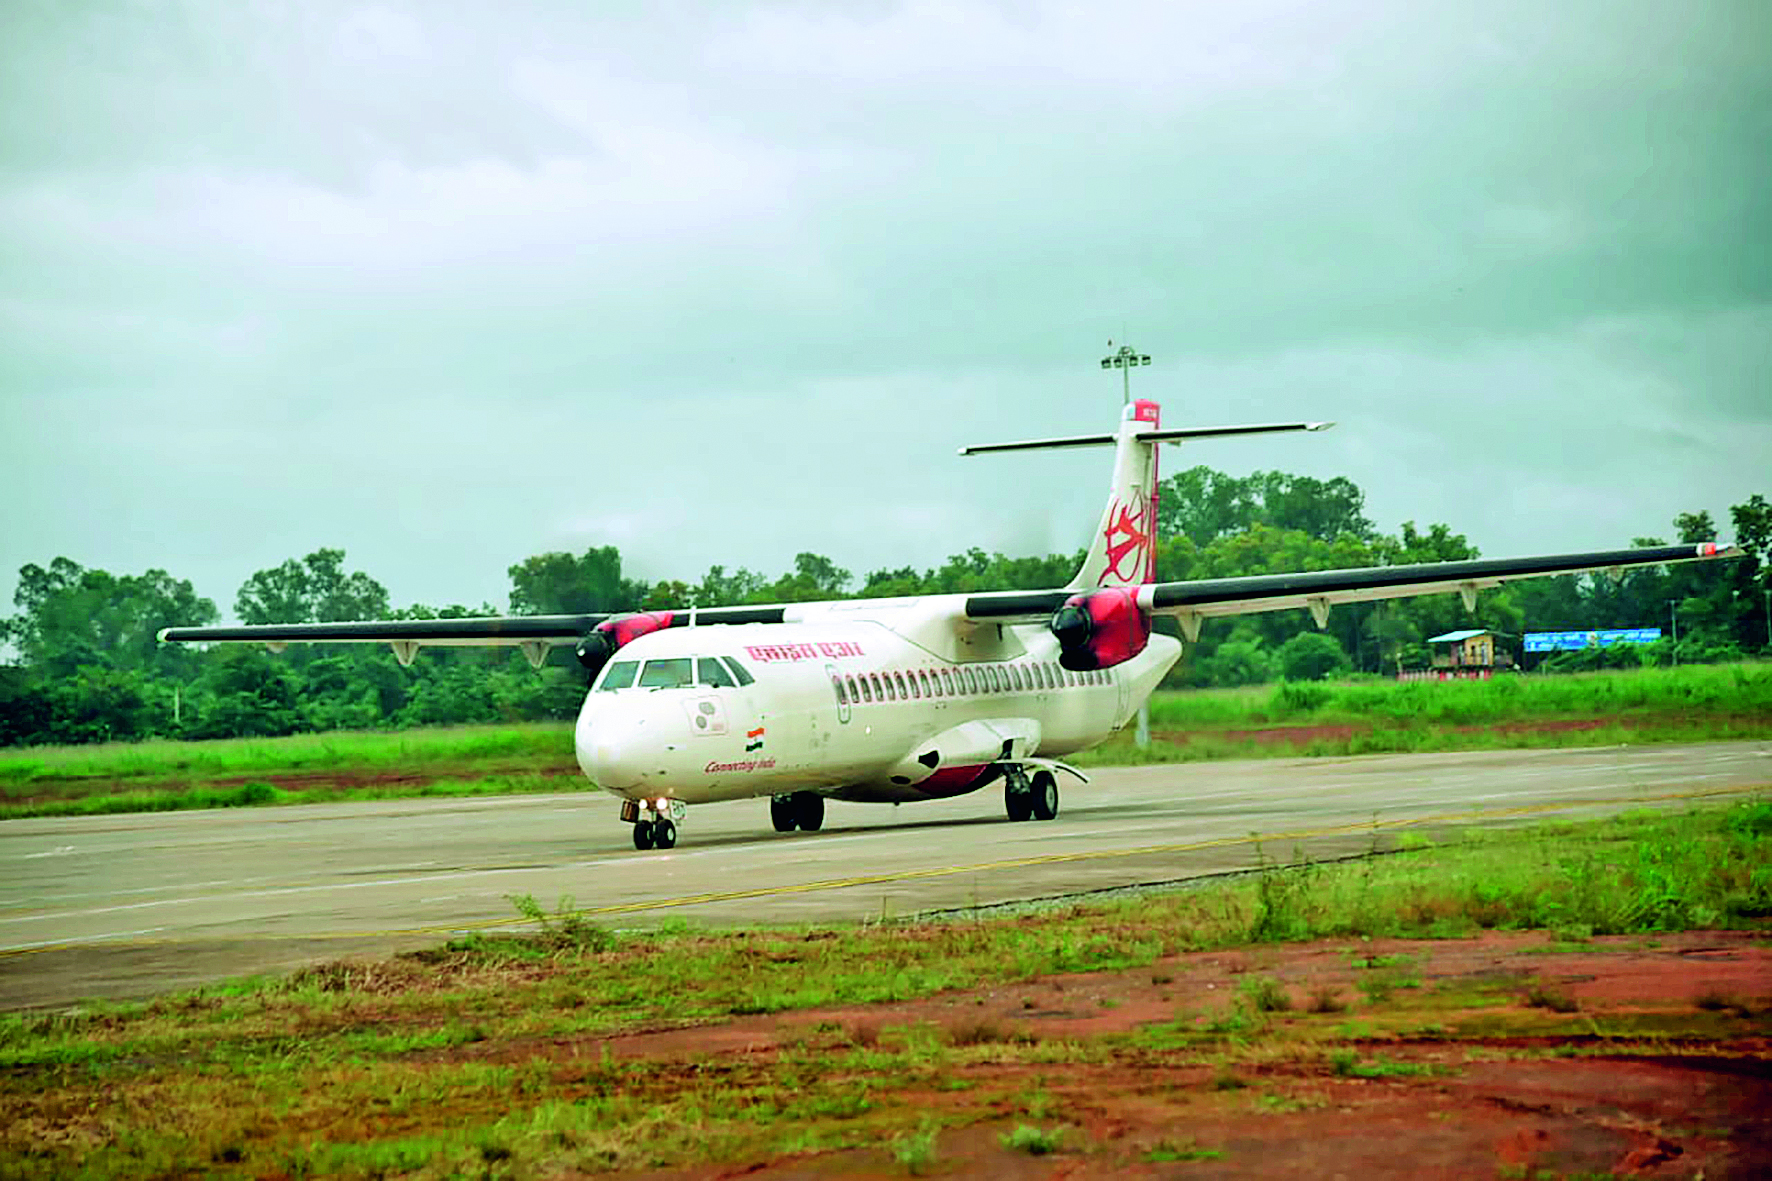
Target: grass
{"points": [[1687, 704], [467, 1058], [1033, 1141], [1649, 705]]}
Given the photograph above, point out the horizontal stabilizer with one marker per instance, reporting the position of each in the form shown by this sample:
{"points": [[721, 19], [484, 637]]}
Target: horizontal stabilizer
{"points": [[1166, 436]]}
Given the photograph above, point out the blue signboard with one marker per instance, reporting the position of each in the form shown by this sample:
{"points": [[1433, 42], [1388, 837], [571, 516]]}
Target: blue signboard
{"points": [[1576, 641]]}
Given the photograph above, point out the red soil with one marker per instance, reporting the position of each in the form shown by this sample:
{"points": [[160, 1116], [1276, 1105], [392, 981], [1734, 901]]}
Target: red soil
{"points": [[1685, 1092]]}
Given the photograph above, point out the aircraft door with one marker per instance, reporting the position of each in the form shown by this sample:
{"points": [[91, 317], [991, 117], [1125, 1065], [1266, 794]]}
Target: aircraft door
{"points": [[840, 691]]}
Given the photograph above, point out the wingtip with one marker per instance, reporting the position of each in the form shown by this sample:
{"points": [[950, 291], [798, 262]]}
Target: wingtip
{"points": [[1318, 426], [160, 636]]}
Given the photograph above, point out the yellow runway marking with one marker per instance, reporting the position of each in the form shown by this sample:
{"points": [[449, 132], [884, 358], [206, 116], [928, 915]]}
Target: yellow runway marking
{"points": [[908, 875]]}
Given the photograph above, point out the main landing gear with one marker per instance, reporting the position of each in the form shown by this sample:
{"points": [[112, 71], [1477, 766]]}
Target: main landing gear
{"points": [[803, 810], [654, 821], [1027, 796]]}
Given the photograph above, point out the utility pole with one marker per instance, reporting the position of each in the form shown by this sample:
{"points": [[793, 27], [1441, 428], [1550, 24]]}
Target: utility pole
{"points": [[1126, 360], [1767, 591], [1673, 613]]}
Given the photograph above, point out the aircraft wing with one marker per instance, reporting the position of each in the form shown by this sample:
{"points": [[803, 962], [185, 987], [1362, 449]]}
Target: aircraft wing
{"points": [[1318, 590], [534, 634]]}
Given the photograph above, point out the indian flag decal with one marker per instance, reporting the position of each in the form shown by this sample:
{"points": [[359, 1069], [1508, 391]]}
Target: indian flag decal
{"points": [[753, 739]]}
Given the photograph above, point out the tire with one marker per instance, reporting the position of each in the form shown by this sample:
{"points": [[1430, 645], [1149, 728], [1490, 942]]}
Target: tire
{"points": [[808, 810], [664, 834], [1019, 804], [642, 834], [1045, 795], [781, 813]]}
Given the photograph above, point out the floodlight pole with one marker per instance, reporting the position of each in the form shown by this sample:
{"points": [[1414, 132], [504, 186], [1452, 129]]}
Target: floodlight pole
{"points": [[1126, 359], [1673, 614]]}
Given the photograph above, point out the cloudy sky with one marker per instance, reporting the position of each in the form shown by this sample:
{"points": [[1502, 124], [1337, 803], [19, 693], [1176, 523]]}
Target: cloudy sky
{"points": [[451, 284]]}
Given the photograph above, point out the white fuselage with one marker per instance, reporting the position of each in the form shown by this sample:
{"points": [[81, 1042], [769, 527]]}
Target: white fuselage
{"points": [[876, 700]]}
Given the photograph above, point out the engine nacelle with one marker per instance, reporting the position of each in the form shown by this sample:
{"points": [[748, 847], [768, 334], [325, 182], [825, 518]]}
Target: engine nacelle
{"points": [[595, 649], [1099, 629]]}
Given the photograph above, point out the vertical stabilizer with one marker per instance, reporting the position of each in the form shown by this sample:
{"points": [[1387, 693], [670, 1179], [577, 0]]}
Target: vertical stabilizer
{"points": [[1123, 551]]}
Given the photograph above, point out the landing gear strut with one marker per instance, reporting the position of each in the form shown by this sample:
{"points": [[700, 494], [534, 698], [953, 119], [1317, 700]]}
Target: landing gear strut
{"points": [[803, 810], [1025, 797], [1018, 794]]}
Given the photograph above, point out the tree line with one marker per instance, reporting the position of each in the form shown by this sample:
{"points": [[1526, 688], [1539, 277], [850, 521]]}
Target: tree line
{"points": [[89, 668]]}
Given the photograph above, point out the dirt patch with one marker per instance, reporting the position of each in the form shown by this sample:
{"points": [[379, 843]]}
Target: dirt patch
{"points": [[1500, 1056], [320, 783]]}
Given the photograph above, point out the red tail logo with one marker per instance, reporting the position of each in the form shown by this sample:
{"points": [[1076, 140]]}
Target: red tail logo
{"points": [[1130, 558]]}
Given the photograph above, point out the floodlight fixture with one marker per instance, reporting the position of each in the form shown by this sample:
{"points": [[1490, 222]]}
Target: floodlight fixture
{"points": [[1126, 358]]}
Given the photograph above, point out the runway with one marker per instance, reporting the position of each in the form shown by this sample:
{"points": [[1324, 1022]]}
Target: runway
{"points": [[127, 906]]}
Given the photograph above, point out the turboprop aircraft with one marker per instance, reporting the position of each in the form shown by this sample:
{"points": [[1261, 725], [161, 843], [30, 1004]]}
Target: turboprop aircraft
{"points": [[901, 700]]}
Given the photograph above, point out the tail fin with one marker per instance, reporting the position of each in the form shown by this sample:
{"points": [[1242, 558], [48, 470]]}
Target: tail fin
{"points": [[1123, 551]]}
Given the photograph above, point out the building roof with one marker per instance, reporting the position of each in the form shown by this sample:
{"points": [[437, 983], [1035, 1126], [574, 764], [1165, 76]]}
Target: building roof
{"points": [[1463, 635]]}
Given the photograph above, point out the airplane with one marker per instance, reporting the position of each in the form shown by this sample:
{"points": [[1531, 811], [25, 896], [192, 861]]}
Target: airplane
{"points": [[916, 698]]}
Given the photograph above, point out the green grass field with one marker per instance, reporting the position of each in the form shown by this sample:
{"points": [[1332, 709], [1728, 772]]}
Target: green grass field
{"points": [[1690, 704], [462, 1060]]}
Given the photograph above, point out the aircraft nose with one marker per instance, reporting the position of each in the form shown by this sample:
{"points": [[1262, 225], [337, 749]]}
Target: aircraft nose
{"points": [[619, 743], [612, 762]]}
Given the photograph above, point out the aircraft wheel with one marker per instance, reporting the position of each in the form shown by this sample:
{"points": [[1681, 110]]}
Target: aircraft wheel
{"points": [[781, 813], [1044, 797], [664, 833], [1019, 804], [643, 834], [809, 810]]}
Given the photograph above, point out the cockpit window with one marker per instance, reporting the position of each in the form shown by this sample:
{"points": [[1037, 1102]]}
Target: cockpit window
{"points": [[675, 673], [619, 675], [711, 672], [738, 670]]}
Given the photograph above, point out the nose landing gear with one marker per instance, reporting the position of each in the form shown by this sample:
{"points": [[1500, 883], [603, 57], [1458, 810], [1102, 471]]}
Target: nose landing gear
{"points": [[654, 821]]}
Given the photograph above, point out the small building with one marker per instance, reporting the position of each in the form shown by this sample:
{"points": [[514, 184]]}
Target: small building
{"points": [[1474, 653]]}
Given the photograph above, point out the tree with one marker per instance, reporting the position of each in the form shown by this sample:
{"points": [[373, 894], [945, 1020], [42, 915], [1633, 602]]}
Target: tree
{"points": [[1312, 656], [313, 590], [815, 577], [560, 584], [71, 617], [1204, 505]]}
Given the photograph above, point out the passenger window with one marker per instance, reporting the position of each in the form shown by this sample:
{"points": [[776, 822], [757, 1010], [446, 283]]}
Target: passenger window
{"points": [[891, 694], [879, 689], [999, 679], [619, 675], [1046, 673], [675, 673], [867, 693], [837, 684], [916, 689], [931, 684], [854, 689], [1020, 683], [738, 670], [904, 692], [712, 673]]}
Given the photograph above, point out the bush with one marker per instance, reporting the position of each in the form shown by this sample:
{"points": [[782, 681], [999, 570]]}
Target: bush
{"points": [[1312, 656]]}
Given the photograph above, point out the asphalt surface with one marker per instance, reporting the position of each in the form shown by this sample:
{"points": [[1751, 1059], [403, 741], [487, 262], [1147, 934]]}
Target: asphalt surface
{"points": [[127, 906]]}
